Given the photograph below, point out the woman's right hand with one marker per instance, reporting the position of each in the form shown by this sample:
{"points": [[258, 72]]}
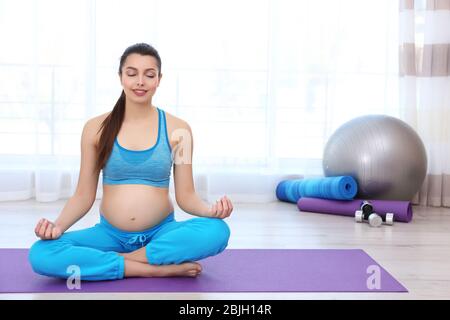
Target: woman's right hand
{"points": [[47, 230]]}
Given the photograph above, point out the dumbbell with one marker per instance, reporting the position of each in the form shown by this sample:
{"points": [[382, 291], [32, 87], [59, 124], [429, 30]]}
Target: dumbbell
{"points": [[375, 220]]}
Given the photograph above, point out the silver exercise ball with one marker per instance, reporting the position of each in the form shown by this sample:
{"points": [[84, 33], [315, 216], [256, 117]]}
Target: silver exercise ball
{"points": [[384, 154]]}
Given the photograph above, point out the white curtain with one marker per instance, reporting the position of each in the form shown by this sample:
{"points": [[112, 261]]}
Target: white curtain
{"points": [[425, 89], [263, 83]]}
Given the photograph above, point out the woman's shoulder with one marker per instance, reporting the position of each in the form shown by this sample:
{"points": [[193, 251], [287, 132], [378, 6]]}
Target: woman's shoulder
{"points": [[93, 126], [96, 121], [174, 122], [101, 117]]}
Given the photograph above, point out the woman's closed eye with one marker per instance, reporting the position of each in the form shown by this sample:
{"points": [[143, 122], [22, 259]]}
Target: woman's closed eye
{"points": [[148, 75]]}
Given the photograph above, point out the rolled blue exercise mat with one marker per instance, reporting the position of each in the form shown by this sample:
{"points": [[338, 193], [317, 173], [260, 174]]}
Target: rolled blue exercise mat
{"points": [[287, 190], [338, 188], [335, 188]]}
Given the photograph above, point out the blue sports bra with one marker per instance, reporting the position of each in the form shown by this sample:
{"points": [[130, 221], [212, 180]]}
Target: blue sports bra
{"points": [[150, 167]]}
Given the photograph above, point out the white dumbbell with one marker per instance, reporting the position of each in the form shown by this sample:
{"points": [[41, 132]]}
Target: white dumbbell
{"points": [[374, 219], [389, 219]]}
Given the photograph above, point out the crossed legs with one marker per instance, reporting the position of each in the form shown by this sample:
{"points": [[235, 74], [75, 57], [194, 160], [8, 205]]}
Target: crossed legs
{"points": [[174, 248], [136, 265], [171, 251]]}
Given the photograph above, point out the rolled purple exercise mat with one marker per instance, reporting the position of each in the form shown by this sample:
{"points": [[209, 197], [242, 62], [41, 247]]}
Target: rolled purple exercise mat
{"points": [[402, 210]]}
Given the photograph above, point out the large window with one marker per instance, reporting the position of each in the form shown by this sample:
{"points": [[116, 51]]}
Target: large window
{"points": [[263, 83]]}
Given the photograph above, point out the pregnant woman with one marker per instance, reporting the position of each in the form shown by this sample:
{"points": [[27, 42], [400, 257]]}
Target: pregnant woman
{"points": [[136, 145]]}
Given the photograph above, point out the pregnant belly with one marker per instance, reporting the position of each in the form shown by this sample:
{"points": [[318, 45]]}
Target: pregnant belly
{"points": [[133, 207]]}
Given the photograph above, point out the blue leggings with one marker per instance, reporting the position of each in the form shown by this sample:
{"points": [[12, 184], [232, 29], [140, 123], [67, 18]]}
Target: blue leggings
{"points": [[95, 250]]}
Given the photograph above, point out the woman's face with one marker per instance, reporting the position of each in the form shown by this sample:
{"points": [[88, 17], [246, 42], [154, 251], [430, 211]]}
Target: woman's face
{"points": [[140, 78]]}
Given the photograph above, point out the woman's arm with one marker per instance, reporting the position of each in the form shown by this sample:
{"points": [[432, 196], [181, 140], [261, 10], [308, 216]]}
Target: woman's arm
{"points": [[185, 194], [190, 202], [83, 199]]}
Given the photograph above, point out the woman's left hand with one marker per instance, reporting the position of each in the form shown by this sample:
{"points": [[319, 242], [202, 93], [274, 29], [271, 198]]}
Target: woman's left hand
{"points": [[222, 208]]}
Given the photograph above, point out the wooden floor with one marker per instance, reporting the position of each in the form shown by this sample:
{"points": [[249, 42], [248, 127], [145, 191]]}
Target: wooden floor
{"points": [[417, 254]]}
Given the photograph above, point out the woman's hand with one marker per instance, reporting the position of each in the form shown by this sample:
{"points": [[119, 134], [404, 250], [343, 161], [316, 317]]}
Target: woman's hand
{"points": [[47, 230], [221, 209]]}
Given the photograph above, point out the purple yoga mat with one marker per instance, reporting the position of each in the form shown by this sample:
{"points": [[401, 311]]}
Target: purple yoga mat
{"points": [[234, 270], [402, 210]]}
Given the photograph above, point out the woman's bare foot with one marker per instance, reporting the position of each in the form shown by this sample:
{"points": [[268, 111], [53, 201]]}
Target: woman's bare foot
{"points": [[187, 269], [144, 269]]}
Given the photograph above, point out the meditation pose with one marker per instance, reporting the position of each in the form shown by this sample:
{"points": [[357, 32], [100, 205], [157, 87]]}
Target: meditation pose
{"points": [[136, 145]]}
